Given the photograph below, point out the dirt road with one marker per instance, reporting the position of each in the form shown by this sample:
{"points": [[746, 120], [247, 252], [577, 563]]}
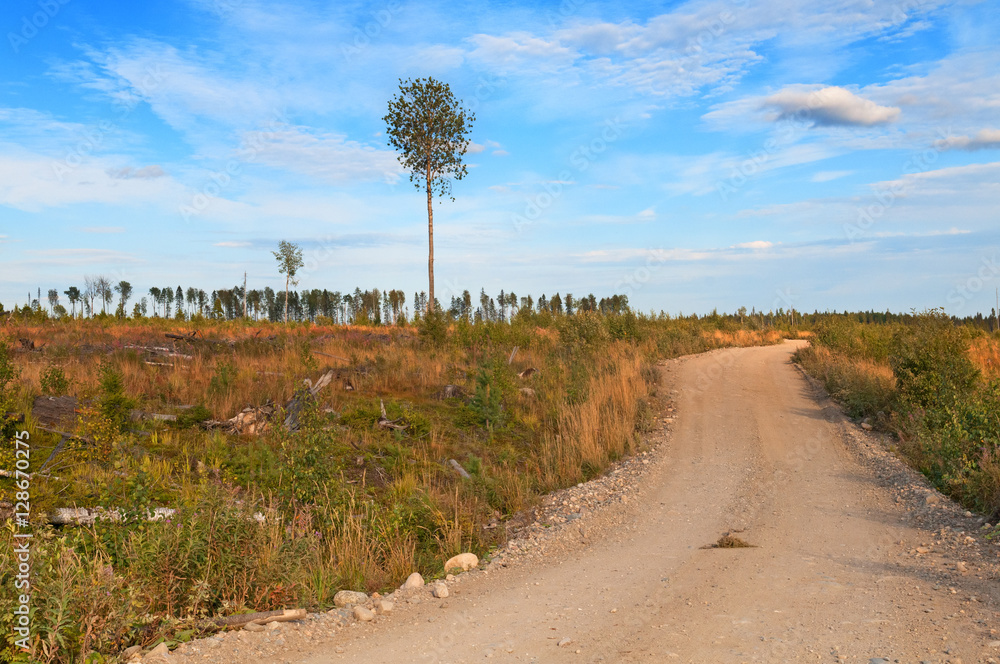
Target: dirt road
{"points": [[831, 578]]}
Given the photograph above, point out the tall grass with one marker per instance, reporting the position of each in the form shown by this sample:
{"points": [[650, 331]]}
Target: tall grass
{"points": [[933, 383], [345, 504]]}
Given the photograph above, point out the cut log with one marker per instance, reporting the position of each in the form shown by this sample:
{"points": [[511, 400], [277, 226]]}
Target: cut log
{"points": [[55, 411]]}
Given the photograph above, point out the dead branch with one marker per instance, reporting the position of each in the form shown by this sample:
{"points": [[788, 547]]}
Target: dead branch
{"points": [[457, 467], [385, 423], [336, 357]]}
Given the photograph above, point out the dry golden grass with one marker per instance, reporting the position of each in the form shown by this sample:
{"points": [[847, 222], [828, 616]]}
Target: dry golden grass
{"points": [[985, 354]]}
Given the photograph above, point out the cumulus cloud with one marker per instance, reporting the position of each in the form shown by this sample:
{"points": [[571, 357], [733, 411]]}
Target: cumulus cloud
{"points": [[828, 107], [985, 139]]}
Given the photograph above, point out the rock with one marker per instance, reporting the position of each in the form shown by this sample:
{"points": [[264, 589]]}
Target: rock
{"points": [[866, 426], [932, 499], [465, 561], [527, 392], [254, 627], [273, 626], [878, 660], [414, 581], [384, 606], [159, 652], [968, 515], [130, 652], [212, 643], [994, 644], [564, 641], [961, 567], [363, 614], [349, 597], [440, 590]]}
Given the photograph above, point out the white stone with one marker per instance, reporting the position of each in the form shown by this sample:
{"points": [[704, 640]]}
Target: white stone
{"points": [[363, 614], [464, 561], [349, 597], [414, 581], [440, 590]]}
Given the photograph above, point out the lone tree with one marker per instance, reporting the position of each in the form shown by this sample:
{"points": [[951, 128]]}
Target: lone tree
{"points": [[289, 258], [429, 127], [73, 293], [124, 289]]}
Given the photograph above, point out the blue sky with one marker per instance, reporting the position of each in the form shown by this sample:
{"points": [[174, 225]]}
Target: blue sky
{"points": [[694, 155]]}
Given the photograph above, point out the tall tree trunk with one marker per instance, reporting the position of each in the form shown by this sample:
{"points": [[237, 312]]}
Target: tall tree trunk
{"points": [[286, 298], [430, 241]]}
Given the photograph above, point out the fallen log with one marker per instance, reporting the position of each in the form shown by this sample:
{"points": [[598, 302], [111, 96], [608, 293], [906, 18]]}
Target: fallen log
{"points": [[457, 467], [76, 516], [262, 618], [336, 357]]}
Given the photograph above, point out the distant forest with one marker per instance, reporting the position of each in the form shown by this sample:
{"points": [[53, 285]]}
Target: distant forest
{"points": [[386, 307]]}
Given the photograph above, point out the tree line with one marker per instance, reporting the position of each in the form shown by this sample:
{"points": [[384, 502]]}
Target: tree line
{"points": [[101, 297]]}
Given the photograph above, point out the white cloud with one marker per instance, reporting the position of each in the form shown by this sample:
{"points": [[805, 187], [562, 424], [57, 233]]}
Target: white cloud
{"points": [[32, 182], [79, 256], [827, 176], [102, 230], [985, 139], [756, 244], [828, 107], [232, 244], [475, 148], [500, 153], [327, 157], [153, 171]]}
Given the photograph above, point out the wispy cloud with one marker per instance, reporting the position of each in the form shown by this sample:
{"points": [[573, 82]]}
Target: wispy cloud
{"points": [[827, 176], [102, 230]]}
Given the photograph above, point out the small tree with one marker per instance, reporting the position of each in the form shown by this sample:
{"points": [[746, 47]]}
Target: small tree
{"points": [[289, 258], [429, 127], [124, 290], [53, 299], [73, 293]]}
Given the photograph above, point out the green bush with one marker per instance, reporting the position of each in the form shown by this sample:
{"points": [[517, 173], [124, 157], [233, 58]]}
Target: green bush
{"points": [[112, 403], [54, 382]]}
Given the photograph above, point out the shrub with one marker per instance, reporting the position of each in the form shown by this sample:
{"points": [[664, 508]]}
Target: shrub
{"points": [[54, 381], [113, 405]]}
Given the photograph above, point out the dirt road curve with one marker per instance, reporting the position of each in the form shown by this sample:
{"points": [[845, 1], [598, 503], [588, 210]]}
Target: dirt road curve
{"points": [[753, 450]]}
